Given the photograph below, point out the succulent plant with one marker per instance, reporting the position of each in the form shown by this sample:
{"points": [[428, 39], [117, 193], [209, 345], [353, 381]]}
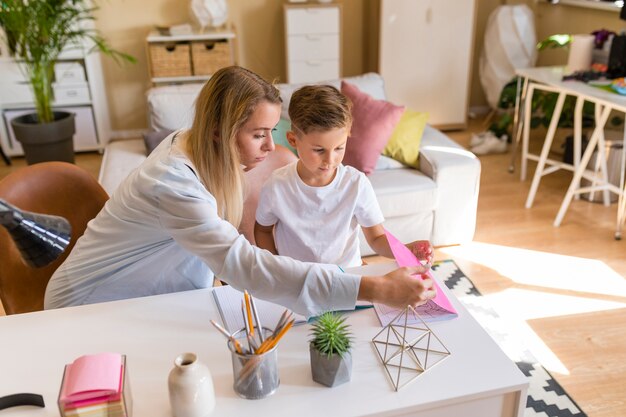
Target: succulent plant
{"points": [[331, 335]]}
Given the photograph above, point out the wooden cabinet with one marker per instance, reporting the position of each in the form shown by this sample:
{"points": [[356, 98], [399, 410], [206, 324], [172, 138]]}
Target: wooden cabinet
{"points": [[313, 42], [78, 88], [189, 58], [426, 56]]}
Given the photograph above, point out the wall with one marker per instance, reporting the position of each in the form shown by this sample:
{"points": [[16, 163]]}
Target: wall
{"points": [[260, 29]]}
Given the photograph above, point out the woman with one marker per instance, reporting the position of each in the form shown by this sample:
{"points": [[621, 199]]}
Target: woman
{"points": [[172, 224]]}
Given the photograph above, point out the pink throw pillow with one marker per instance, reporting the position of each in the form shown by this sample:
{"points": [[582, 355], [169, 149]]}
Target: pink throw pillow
{"points": [[372, 126]]}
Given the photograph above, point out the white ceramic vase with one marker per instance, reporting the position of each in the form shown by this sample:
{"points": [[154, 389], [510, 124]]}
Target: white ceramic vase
{"points": [[190, 387]]}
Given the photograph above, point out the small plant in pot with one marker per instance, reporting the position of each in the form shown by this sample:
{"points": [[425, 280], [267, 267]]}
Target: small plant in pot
{"points": [[37, 32], [331, 360]]}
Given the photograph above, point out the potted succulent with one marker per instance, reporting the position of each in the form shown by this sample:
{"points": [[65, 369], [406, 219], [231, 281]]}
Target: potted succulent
{"points": [[331, 360], [36, 33]]}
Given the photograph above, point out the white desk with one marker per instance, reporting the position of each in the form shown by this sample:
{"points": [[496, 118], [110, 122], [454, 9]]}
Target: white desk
{"points": [[476, 380], [550, 79]]}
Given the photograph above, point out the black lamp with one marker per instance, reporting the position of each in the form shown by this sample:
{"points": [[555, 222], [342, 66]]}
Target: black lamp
{"points": [[40, 238]]}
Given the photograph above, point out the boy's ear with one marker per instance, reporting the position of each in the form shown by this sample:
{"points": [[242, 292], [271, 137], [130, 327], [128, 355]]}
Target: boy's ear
{"points": [[291, 138]]}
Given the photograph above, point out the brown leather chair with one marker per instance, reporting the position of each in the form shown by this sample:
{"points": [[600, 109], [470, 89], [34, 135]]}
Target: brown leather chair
{"points": [[57, 188]]}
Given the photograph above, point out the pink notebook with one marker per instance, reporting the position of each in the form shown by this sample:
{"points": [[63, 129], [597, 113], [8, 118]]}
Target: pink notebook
{"points": [[438, 308], [92, 377]]}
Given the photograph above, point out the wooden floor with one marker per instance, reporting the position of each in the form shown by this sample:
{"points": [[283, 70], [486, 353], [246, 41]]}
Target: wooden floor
{"points": [[566, 284]]}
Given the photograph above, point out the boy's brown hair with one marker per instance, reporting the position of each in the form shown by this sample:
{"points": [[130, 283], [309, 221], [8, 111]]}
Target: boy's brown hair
{"points": [[319, 108]]}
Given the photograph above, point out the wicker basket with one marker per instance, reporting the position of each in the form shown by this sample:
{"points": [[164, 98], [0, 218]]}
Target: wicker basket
{"points": [[209, 56], [170, 60]]}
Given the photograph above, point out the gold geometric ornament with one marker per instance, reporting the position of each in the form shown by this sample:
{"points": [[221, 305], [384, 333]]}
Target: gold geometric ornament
{"points": [[407, 351]]}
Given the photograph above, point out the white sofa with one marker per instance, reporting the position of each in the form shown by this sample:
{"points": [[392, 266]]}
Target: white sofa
{"points": [[437, 202]]}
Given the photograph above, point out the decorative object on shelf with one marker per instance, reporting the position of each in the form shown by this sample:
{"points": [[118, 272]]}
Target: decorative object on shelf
{"points": [[331, 360], [209, 13], [190, 387], [39, 33], [40, 238], [408, 351], [96, 385]]}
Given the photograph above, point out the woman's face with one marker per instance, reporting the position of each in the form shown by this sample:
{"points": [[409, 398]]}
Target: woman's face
{"points": [[254, 139]]}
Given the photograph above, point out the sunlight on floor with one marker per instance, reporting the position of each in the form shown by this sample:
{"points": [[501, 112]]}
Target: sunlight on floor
{"points": [[544, 269], [552, 272]]}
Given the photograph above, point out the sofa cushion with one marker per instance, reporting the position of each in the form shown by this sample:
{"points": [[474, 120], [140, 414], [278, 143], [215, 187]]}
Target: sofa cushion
{"points": [[402, 192], [152, 139], [404, 143], [373, 121], [370, 83], [172, 107], [279, 135]]}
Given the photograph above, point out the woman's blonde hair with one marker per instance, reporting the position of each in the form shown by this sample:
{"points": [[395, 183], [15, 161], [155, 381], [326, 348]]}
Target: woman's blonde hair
{"points": [[223, 106]]}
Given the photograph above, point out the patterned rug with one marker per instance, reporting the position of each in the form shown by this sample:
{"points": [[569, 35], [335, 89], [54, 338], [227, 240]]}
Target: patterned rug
{"points": [[546, 398]]}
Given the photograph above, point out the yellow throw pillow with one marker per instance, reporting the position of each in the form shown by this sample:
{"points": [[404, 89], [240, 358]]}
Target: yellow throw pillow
{"points": [[404, 143]]}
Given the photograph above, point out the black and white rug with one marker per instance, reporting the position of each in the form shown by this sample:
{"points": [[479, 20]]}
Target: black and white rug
{"points": [[546, 398]]}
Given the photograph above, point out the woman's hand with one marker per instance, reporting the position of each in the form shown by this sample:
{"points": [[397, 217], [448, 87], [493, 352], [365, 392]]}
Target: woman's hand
{"points": [[399, 288], [422, 249]]}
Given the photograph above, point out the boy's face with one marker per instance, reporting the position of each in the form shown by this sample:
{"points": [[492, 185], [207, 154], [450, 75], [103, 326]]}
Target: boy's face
{"points": [[320, 154]]}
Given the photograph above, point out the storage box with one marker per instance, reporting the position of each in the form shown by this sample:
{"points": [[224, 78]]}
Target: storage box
{"points": [[70, 93], [69, 72], [209, 56], [170, 59]]}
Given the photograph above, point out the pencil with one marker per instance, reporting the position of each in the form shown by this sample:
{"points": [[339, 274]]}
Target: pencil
{"points": [[229, 336], [246, 297], [274, 341], [257, 320]]}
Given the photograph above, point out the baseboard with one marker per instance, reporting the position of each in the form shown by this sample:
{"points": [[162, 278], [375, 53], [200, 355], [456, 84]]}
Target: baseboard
{"points": [[127, 134]]}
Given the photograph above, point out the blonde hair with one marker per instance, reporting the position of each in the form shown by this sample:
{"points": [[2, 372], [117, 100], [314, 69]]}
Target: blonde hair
{"points": [[319, 108], [223, 106]]}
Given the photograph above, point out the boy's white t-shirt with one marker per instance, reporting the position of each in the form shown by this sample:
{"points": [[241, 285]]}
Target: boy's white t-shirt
{"points": [[319, 224]]}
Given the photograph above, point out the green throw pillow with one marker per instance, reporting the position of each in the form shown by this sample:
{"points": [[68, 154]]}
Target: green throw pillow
{"points": [[280, 134], [404, 143]]}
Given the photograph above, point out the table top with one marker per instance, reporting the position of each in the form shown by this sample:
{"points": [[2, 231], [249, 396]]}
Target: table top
{"points": [[152, 331], [553, 76]]}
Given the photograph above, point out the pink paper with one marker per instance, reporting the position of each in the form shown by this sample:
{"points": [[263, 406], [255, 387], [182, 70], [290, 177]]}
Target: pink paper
{"points": [[404, 257], [92, 376]]}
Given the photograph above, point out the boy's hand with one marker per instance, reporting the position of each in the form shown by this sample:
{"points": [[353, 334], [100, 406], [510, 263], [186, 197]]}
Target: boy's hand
{"points": [[422, 249]]}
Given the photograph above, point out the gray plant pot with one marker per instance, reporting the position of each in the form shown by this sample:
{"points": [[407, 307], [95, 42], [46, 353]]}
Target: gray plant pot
{"points": [[331, 371], [46, 141]]}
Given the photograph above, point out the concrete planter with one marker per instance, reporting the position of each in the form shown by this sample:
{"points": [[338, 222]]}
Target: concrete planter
{"points": [[331, 371], [44, 142]]}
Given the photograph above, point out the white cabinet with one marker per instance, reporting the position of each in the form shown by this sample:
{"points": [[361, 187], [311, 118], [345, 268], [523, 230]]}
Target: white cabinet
{"points": [[425, 56], [313, 42], [78, 88]]}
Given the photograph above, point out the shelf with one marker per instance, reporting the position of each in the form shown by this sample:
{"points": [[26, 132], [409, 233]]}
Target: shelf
{"points": [[203, 36], [190, 78], [614, 6]]}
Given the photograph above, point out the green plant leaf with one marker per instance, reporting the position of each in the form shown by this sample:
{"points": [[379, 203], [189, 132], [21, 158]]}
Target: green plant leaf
{"points": [[331, 335]]}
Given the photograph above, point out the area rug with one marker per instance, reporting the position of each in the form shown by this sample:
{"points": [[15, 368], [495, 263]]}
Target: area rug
{"points": [[546, 398]]}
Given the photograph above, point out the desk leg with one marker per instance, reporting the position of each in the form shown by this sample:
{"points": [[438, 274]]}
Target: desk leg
{"points": [[539, 172], [518, 124], [526, 129], [578, 128], [621, 202], [593, 142]]}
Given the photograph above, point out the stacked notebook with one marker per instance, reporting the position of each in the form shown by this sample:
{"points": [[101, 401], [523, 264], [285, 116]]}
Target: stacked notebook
{"points": [[96, 386]]}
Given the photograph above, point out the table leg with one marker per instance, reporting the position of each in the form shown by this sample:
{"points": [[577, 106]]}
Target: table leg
{"points": [[539, 172], [578, 127], [621, 202], [526, 129], [578, 173], [518, 124]]}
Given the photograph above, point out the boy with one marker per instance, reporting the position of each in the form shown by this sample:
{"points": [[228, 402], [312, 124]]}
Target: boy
{"points": [[309, 210]]}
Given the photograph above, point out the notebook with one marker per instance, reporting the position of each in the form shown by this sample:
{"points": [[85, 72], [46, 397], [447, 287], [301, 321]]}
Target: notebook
{"points": [[228, 302]]}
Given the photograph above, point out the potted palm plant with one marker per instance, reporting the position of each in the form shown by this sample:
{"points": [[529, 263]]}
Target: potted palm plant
{"points": [[331, 360], [37, 32]]}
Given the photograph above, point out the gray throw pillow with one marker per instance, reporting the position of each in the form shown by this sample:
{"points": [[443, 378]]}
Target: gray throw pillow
{"points": [[152, 139]]}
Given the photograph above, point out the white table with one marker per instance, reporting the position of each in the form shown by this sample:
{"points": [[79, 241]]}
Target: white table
{"points": [[550, 79], [476, 380]]}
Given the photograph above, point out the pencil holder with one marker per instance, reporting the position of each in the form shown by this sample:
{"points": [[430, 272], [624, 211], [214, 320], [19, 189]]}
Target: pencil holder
{"points": [[254, 376]]}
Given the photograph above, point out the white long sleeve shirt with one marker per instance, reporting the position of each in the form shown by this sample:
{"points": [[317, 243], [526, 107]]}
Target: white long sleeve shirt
{"points": [[160, 232]]}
